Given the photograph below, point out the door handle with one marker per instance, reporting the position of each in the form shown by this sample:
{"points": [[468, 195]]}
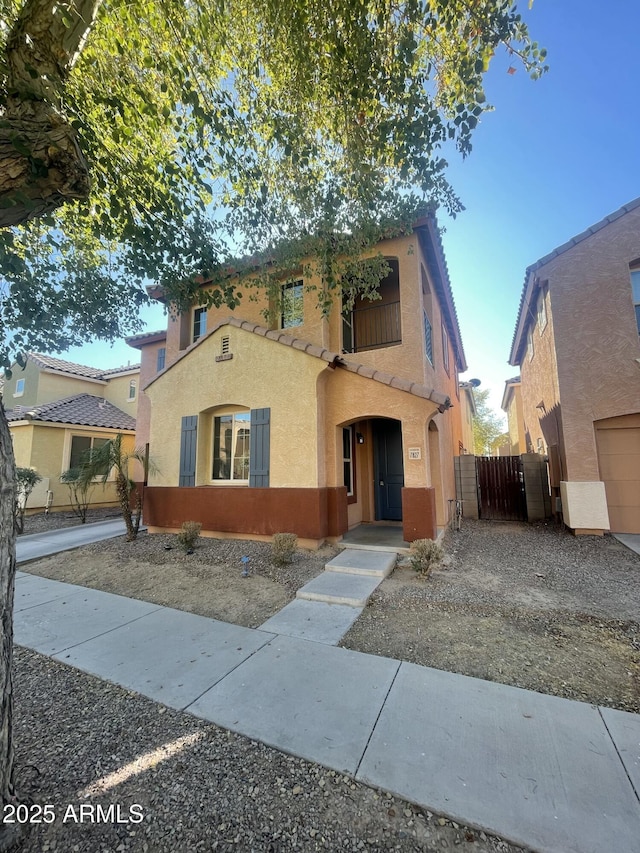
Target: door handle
{"points": [[381, 482]]}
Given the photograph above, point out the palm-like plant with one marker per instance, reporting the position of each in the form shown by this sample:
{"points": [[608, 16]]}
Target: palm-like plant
{"points": [[112, 457]]}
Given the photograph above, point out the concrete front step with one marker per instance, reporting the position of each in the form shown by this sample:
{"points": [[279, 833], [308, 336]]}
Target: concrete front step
{"points": [[377, 564], [313, 620], [339, 588]]}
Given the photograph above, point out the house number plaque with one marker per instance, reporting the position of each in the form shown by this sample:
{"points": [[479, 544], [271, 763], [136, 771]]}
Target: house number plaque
{"points": [[415, 453]]}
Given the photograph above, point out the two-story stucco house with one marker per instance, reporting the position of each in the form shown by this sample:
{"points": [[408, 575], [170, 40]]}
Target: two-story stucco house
{"points": [[576, 344], [311, 424], [57, 410]]}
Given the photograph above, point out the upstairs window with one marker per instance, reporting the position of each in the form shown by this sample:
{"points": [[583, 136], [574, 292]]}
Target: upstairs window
{"points": [[635, 289], [19, 388], [160, 359], [199, 323], [292, 298], [530, 347], [428, 338], [132, 389], [445, 348], [542, 312]]}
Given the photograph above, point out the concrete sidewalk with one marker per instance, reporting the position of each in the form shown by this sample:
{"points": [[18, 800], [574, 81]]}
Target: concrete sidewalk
{"points": [[38, 545], [543, 772]]}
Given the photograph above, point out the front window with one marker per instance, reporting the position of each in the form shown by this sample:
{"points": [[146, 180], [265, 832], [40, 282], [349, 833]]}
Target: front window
{"points": [[347, 458], [231, 435], [542, 312], [292, 307], [199, 323], [82, 448], [161, 358], [19, 388], [635, 287], [132, 389]]}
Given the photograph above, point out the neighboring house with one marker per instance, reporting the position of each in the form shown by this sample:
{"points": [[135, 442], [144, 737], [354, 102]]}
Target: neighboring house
{"points": [[57, 410], [577, 346], [314, 424], [512, 405], [468, 413]]}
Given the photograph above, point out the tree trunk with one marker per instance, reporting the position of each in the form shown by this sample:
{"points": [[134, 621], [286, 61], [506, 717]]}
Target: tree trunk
{"points": [[41, 164], [7, 581]]}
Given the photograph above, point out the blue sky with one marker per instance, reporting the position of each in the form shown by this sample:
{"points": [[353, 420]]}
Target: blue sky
{"points": [[556, 156]]}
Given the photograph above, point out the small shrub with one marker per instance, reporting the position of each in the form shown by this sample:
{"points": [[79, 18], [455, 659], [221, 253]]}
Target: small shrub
{"points": [[283, 548], [189, 534], [425, 554]]}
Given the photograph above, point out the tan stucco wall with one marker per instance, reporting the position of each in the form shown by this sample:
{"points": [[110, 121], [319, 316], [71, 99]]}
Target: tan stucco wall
{"points": [[31, 375], [261, 373], [22, 438], [515, 421], [53, 386], [117, 392], [47, 448], [148, 365]]}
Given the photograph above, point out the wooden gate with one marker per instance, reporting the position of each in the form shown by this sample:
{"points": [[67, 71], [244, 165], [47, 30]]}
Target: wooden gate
{"points": [[501, 495]]}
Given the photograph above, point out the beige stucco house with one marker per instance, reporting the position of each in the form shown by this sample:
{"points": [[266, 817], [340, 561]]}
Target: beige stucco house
{"points": [[57, 410], [309, 423], [577, 346], [512, 405]]}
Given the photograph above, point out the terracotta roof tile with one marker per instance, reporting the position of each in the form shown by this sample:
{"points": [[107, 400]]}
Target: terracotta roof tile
{"points": [[49, 362], [277, 336], [80, 409]]}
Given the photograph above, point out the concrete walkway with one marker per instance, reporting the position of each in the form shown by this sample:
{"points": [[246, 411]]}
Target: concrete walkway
{"points": [[547, 773], [631, 540], [38, 545]]}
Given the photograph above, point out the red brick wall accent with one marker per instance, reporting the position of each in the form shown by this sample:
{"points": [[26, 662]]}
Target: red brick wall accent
{"points": [[309, 513], [419, 514]]}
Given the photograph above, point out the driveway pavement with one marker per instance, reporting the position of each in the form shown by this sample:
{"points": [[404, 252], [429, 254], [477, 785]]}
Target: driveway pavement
{"points": [[547, 773]]}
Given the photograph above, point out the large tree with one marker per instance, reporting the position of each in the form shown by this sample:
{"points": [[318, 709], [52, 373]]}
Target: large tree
{"points": [[146, 140]]}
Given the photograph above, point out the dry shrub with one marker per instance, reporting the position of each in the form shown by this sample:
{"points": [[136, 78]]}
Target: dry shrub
{"points": [[189, 534], [425, 554], [283, 548]]}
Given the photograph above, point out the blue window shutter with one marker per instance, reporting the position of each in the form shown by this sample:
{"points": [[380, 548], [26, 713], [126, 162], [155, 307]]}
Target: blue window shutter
{"points": [[259, 447], [188, 451]]}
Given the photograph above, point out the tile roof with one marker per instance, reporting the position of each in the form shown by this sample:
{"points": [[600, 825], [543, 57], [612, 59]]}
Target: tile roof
{"points": [[49, 362], [80, 409], [332, 358], [138, 341]]}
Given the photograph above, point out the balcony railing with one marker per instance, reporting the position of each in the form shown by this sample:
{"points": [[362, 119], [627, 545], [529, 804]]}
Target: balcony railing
{"points": [[372, 327]]}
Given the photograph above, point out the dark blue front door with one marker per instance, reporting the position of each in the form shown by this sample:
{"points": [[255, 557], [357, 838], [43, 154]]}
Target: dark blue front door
{"points": [[389, 469]]}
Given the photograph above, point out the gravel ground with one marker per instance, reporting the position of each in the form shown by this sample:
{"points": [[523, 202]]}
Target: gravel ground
{"points": [[526, 605], [40, 523], [209, 582], [217, 791]]}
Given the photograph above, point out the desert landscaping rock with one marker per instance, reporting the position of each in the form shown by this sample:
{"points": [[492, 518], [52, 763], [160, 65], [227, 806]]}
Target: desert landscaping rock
{"points": [[527, 605], [199, 787]]}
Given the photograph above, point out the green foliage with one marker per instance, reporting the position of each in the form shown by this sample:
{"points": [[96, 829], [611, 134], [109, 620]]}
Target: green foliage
{"points": [[26, 481], [79, 491], [111, 460], [189, 534], [283, 548], [214, 129], [487, 425], [425, 554]]}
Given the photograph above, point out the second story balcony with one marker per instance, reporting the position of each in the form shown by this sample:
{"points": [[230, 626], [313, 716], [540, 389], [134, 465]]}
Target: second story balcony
{"points": [[371, 327], [374, 324]]}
